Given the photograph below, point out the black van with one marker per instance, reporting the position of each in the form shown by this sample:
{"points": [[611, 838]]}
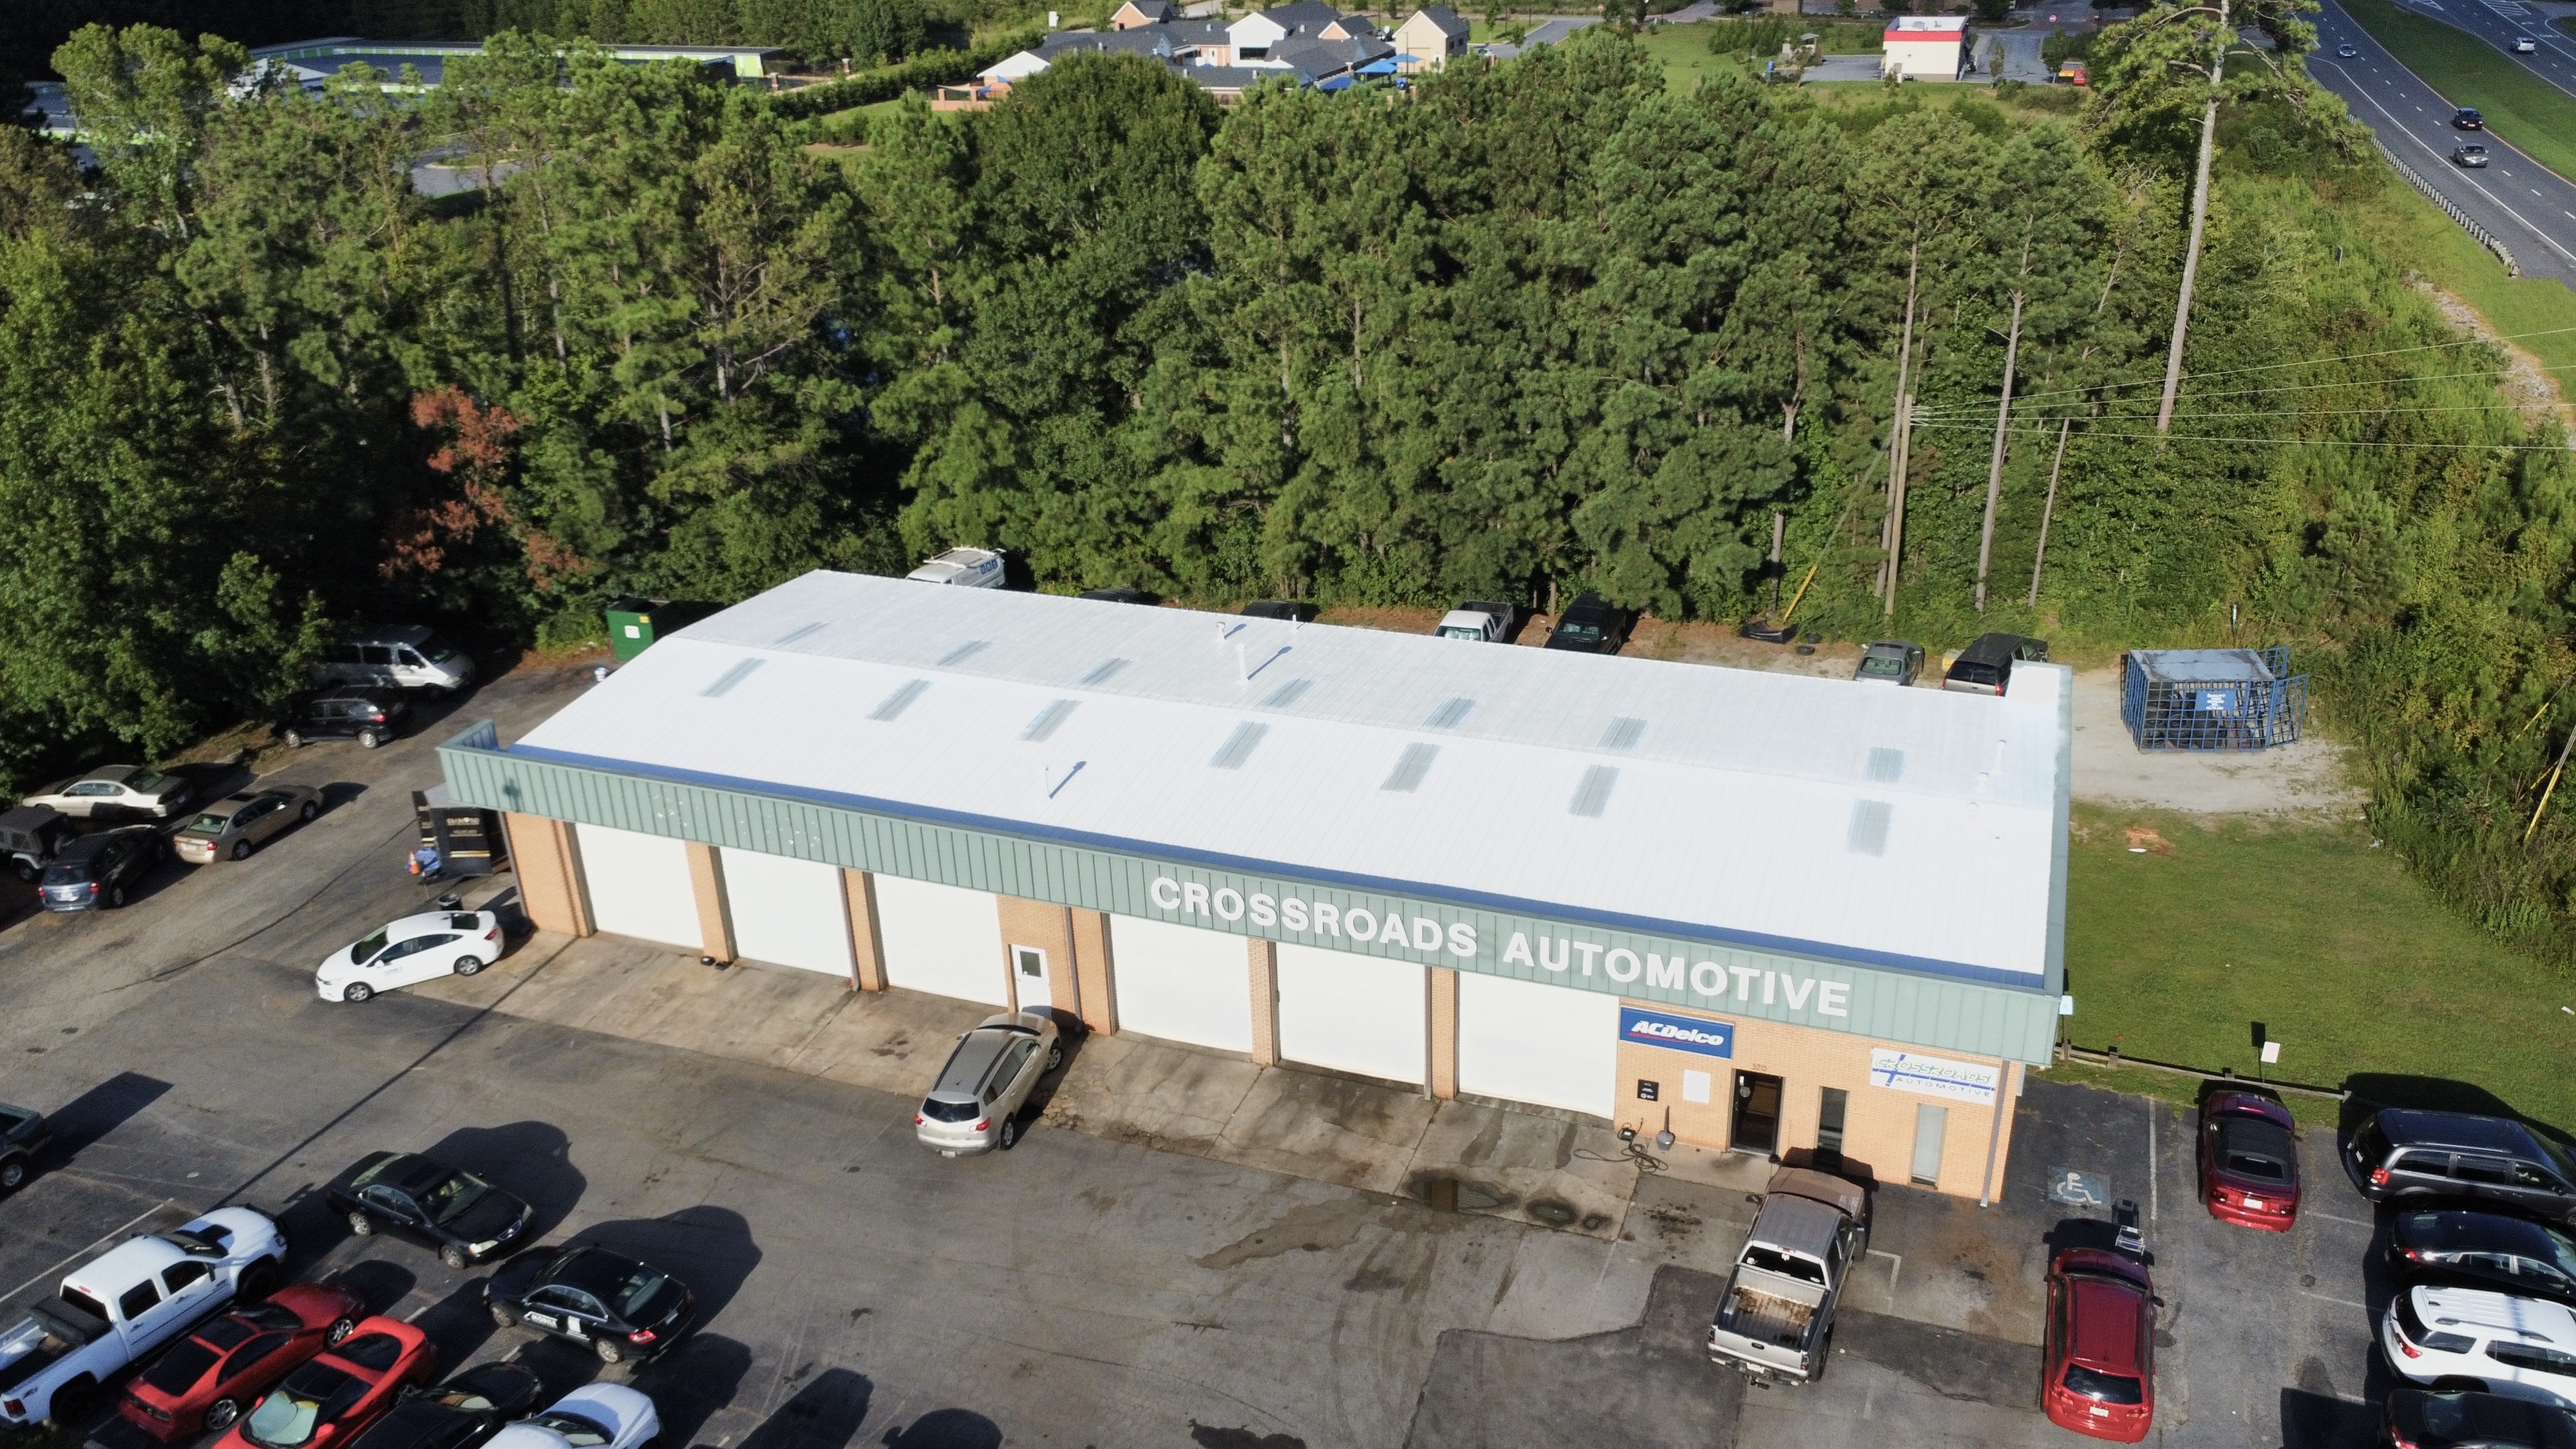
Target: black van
{"points": [[1985, 667], [2401, 1153]]}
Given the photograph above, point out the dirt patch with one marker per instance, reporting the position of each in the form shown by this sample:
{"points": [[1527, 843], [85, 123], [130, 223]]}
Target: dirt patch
{"points": [[2526, 381], [2305, 778], [2143, 841]]}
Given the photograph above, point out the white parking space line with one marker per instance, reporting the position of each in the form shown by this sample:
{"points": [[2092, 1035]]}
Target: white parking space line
{"points": [[2347, 1222], [2337, 1302]]}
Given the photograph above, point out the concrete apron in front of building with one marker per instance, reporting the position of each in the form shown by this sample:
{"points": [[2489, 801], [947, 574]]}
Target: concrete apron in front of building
{"points": [[1527, 1164]]}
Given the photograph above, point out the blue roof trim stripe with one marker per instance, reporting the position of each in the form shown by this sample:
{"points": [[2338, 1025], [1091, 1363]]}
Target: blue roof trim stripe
{"points": [[2031, 981]]}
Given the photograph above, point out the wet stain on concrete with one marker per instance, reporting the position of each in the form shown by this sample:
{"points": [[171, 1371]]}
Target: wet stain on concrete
{"points": [[1373, 1280], [1309, 1229], [1443, 1192], [1209, 1436], [1553, 1212]]}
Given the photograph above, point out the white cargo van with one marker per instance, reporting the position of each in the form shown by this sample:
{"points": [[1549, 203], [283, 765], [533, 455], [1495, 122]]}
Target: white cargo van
{"points": [[974, 568], [401, 656]]}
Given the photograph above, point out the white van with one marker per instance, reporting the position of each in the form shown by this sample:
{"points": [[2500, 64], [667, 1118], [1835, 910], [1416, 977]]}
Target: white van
{"points": [[973, 568], [404, 656]]}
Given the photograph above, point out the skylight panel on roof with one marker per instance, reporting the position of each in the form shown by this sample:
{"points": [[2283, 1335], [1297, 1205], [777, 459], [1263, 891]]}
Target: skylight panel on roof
{"points": [[902, 698], [1286, 694], [799, 632], [1593, 795], [1238, 746], [1450, 712], [1869, 822], [1103, 671], [1410, 767], [1623, 733], [962, 652], [1056, 712], [731, 677], [1885, 765]]}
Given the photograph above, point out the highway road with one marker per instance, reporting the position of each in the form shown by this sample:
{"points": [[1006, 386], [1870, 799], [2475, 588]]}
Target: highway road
{"points": [[2527, 206], [2500, 22]]}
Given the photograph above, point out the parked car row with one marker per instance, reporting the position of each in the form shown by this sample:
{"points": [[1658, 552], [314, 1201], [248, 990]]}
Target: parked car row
{"points": [[1984, 667], [224, 1349]]}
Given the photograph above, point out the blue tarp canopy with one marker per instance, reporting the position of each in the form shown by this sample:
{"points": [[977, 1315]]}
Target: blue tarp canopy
{"points": [[1337, 83], [1383, 67]]}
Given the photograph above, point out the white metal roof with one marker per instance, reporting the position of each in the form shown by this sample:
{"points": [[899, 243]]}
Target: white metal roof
{"points": [[1907, 826]]}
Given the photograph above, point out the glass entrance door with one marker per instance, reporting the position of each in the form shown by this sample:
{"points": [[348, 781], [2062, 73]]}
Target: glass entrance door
{"points": [[1756, 1124]]}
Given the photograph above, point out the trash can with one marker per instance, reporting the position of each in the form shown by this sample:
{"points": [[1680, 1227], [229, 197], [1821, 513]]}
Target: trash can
{"points": [[630, 626]]}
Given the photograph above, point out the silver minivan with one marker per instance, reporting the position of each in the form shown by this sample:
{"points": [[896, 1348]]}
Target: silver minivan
{"points": [[403, 656], [976, 1105]]}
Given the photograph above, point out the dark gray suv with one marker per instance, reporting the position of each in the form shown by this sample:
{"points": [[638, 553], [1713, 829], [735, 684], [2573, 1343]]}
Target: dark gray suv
{"points": [[2401, 1153]]}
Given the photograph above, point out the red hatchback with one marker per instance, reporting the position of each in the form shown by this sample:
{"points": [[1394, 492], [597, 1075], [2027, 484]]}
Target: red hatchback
{"points": [[206, 1379], [2249, 1161], [2101, 1355], [332, 1397]]}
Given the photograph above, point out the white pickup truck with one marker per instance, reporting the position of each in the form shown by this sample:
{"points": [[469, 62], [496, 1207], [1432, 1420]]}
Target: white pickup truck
{"points": [[1778, 1310], [128, 1301], [1479, 620]]}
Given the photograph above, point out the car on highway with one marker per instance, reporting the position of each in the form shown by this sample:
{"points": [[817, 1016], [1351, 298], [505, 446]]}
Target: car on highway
{"points": [[2347, 50], [975, 1101], [204, 1380], [618, 1306], [1890, 661], [465, 1218], [2468, 119], [2099, 1361], [334, 1396], [2423, 1419], [115, 792], [2470, 1338], [369, 716], [1591, 625], [2525, 45], [413, 949], [2474, 1248], [2249, 1161], [594, 1416], [458, 1414], [2406, 1153], [100, 871], [232, 827], [2469, 154], [23, 1134]]}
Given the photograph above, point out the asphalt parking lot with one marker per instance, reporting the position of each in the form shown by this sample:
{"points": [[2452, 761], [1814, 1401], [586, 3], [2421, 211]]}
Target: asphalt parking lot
{"points": [[1078, 1291]]}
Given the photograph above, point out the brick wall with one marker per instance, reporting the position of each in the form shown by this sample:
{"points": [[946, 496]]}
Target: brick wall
{"points": [[548, 864]]}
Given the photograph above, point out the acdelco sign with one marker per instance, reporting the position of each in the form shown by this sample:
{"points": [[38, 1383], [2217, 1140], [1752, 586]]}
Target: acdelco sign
{"points": [[1682, 1033]]}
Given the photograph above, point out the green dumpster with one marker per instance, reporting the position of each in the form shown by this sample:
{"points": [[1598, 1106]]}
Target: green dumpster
{"points": [[630, 626]]}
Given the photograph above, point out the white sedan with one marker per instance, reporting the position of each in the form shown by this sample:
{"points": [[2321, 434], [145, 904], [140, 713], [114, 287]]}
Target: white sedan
{"points": [[595, 1416], [415, 948], [125, 792]]}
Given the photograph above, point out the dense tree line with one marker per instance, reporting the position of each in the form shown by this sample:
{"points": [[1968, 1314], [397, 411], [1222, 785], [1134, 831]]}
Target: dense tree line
{"points": [[1536, 328]]}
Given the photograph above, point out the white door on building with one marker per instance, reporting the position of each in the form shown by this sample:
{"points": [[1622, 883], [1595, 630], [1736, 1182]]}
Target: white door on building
{"points": [[1352, 1013], [787, 912], [942, 939], [639, 886], [1181, 983], [1033, 974], [1527, 1042]]}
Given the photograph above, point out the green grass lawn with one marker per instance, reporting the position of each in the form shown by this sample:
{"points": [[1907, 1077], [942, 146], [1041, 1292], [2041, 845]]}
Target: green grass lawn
{"points": [[2306, 928], [2534, 116], [2400, 223]]}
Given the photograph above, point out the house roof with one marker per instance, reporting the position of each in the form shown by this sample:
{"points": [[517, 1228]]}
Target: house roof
{"points": [[1308, 16], [1913, 829], [1316, 58], [1927, 27], [1442, 18], [1017, 67], [1232, 77], [1153, 10]]}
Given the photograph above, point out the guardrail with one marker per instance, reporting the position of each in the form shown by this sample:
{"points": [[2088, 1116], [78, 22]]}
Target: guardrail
{"points": [[2477, 233]]}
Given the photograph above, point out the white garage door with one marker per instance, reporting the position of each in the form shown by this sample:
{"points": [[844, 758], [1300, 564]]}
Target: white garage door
{"points": [[1351, 1013], [941, 938], [1181, 983], [1525, 1042], [788, 912], [639, 886]]}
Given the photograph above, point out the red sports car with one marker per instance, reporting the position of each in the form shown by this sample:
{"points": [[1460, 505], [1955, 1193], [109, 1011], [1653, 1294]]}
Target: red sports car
{"points": [[2100, 1377], [2249, 1161], [204, 1380], [332, 1397]]}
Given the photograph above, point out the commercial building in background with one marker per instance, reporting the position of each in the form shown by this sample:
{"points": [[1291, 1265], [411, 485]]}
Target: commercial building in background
{"points": [[1774, 911], [1925, 47]]}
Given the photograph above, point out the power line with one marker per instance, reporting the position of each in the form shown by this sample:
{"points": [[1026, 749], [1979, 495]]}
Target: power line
{"points": [[1962, 420], [2286, 442], [2310, 362], [2299, 387]]}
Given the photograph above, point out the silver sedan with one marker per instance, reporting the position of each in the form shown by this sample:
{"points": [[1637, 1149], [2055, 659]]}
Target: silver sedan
{"points": [[229, 828]]}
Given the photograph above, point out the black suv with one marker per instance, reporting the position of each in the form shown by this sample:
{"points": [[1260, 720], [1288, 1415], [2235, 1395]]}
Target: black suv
{"points": [[99, 870], [1985, 667], [1590, 626], [23, 1134], [2401, 1153], [368, 716], [2482, 1250]]}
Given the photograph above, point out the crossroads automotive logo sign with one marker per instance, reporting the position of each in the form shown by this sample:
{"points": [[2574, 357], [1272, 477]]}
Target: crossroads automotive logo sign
{"points": [[1682, 1033]]}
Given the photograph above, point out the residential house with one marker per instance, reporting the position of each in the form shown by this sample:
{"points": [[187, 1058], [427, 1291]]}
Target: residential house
{"points": [[991, 84], [1254, 35], [1141, 12], [1925, 47], [1429, 39]]}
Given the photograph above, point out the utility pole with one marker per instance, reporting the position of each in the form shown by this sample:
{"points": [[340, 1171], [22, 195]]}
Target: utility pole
{"points": [[1890, 528], [2199, 220], [2003, 415], [2039, 559]]}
